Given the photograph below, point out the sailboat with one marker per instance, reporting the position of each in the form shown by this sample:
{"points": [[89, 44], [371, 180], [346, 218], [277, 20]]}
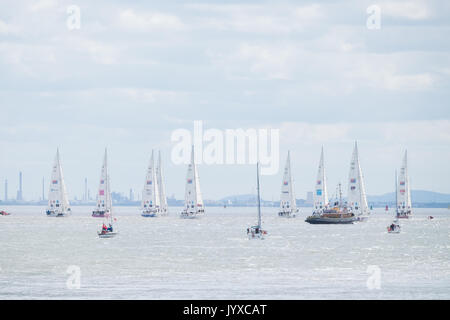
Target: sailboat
{"points": [[404, 207], [150, 194], [357, 200], [256, 232], [288, 206], [320, 192], [323, 213], [104, 203], [164, 209], [58, 201], [395, 227], [103, 208], [193, 206]]}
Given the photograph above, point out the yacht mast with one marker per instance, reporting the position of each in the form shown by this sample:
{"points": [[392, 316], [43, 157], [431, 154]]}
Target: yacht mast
{"points": [[259, 197]]}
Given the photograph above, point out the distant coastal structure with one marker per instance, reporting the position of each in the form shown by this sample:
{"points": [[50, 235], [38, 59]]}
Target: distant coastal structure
{"points": [[20, 191], [6, 190]]}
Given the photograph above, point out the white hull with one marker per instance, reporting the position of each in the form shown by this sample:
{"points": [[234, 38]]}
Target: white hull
{"points": [[107, 235], [191, 215], [58, 214], [362, 218], [282, 214]]}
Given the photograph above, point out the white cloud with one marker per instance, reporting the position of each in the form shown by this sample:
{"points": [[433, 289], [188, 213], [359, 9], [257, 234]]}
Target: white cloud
{"points": [[149, 21], [7, 29], [43, 4], [414, 10], [261, 19]]}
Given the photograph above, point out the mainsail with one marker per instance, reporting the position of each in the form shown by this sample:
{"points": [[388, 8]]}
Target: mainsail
{"points": [[162, 190], [58, 202], [357, 200], [150, 194], [320, 192], [287, 198], [193, 196], [403, 191], [104, 203]]}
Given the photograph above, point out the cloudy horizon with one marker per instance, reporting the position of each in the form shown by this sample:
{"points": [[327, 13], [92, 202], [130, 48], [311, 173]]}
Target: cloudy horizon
{"points": [[134, 72]]}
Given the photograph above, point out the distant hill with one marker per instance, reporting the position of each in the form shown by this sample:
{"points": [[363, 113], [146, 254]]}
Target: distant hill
{"points": [[417, 196]]}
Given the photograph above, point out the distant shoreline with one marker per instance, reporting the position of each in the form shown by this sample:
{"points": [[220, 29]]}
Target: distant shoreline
{"points": [[266, 205]]}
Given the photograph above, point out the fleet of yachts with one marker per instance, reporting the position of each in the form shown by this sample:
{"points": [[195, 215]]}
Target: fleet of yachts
{"points": [[154, 200]]}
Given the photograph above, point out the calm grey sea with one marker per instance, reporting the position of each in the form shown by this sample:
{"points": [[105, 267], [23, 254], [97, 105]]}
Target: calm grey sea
{"points": [[211, 258]]}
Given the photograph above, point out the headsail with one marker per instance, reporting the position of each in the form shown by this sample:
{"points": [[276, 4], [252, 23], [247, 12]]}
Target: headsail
{"points": [[58, 201], [404, 205], [150, 194], [357, 200], [162, 190], [287, 198], [104, 193], [193, 196], [320, 192]]}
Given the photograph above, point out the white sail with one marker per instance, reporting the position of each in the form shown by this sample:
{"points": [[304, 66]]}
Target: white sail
{"points": [[404, 191], [150, 194], [193, 197], [357, 200], [58, 201], [104, 203], [320, 192], [287, 198], [162, 189]]}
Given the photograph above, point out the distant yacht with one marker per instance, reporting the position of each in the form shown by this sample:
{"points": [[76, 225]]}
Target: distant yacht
{"points": [[323, 213], [404, 207], [193, 206], [320, 192], [395, 226], [256, 232], [151, 199], [164, 208], [288, 206], [104, 203], [357, 200], [58, 201]]}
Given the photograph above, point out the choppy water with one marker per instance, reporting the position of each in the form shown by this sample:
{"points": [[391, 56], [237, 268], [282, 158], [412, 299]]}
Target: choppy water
{"points": [[211, 258]]}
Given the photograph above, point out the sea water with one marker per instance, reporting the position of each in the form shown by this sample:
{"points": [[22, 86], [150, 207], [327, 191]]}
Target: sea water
{"points": [[212, 258]]}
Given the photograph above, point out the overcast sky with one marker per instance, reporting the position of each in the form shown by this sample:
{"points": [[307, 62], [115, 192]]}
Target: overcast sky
{"points": [[137, 70]]}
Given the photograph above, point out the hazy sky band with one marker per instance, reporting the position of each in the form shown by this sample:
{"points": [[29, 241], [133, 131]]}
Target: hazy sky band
{"points": [[136, 71]]}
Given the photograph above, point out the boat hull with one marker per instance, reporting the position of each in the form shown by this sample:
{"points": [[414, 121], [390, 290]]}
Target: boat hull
{"points": [[191, 215], [107, 235], [282, 214], [99, 214], [58, 215], [149, 215], [362, 218], [325, 220]]}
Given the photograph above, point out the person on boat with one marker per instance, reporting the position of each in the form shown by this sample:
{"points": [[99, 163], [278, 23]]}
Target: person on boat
{"points": [[110, 229]]}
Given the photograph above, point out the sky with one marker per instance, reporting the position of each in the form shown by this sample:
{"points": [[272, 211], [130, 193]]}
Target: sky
{"points": [[136, 71]]}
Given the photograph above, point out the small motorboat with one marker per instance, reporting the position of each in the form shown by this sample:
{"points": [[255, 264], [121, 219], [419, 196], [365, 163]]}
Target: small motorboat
{"points": [[255, 232], [4, 213], [394, 228], [106, 232]]}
